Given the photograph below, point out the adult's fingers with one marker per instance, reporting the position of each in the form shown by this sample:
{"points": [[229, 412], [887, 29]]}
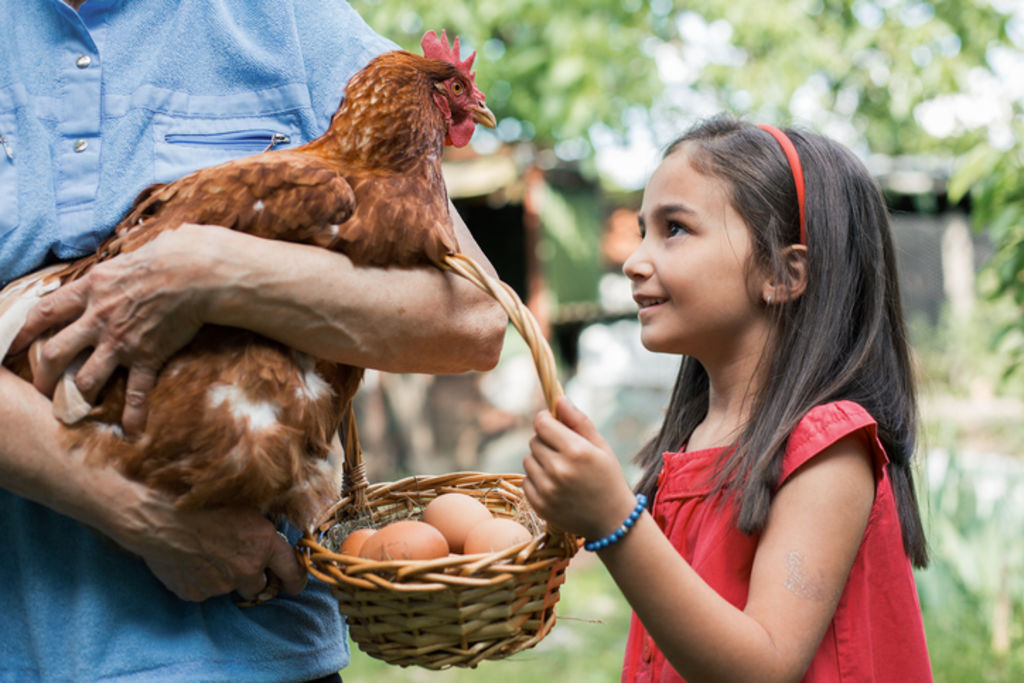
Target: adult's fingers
{"points": [[286, 566], [95, 372], [141, 380], [250, 587], [57, 353], [65, 303]]}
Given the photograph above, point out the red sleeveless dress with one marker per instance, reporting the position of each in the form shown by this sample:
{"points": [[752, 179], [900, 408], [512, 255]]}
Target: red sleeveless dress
{"points": [[876, 633]]}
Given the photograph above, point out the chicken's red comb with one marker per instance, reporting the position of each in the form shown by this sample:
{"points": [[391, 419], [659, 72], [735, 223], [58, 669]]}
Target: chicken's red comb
{"points": [[437, 48]]}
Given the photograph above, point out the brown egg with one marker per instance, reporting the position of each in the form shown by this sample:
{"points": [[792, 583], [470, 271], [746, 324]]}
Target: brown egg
{"points": [[406, 540], [353, 543], [454, 514], [494, 535]]}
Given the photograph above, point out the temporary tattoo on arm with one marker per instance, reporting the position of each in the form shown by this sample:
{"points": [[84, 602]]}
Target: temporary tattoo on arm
{"points": [[798, 581]]}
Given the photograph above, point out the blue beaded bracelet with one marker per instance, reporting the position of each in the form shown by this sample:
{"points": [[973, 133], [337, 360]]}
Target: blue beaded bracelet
{"points": [[613, 537]]}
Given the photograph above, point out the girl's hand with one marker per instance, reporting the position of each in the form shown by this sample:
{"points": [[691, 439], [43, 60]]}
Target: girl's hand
{"points": [[572, 478], [134, 310]]}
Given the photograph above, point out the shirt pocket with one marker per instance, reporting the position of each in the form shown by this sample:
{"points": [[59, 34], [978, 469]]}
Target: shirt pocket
{"points": [[183, 145], [8, 175]]}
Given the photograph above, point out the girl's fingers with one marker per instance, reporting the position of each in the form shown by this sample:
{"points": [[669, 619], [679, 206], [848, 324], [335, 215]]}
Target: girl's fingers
{"points": [[532, 492], [576, 420], [537, 484], [533, 465], [572, 433], [551, 431]]}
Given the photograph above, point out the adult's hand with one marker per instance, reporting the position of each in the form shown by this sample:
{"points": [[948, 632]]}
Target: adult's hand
{"points": [[134, 310], [195, 553], [199, 554]]}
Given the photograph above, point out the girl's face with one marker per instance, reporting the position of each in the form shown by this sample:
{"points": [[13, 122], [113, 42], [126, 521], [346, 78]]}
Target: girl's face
{"points": [[692, 274]]}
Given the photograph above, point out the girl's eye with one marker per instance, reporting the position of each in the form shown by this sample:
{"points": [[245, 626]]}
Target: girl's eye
{"points": [[672, 229]]}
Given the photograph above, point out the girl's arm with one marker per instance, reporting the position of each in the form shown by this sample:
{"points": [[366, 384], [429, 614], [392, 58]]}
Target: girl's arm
{"points": [[805, 553]]}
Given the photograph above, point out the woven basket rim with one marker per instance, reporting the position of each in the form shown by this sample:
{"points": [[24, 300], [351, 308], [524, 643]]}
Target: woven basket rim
{"points": [[543, 546]]}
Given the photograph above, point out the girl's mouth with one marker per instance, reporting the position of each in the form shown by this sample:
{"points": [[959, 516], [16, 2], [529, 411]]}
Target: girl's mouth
{"points": [[647, 301]]}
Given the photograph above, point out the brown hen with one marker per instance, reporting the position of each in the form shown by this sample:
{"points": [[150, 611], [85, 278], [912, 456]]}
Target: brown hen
{"points": [[236, 418]]}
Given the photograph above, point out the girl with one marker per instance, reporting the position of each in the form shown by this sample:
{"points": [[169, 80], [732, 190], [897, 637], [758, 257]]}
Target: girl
{"points": [[782, 523]]}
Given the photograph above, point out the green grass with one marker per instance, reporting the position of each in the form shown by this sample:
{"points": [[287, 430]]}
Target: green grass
{"points": [[959, 645]]}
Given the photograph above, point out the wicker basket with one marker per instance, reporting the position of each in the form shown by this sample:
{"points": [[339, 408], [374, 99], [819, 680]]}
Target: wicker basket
{"points": [[459, 610]]}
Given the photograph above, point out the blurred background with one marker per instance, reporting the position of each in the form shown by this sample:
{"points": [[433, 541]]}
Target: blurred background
{"points": [[928, 93]]}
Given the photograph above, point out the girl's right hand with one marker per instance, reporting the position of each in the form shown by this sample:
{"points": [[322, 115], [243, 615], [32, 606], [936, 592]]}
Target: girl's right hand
{"points": [[572, 477]]}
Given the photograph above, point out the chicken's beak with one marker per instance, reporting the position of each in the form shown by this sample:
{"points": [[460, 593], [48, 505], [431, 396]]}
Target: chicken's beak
{"points": [[484, 116]]}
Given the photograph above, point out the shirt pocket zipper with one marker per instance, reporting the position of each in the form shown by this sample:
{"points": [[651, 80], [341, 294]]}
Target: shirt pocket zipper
{"points": [[7, 148], [244, 139]]}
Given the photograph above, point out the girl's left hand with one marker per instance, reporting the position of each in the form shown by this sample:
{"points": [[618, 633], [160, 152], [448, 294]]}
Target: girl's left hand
{"points": [[572, 477]]}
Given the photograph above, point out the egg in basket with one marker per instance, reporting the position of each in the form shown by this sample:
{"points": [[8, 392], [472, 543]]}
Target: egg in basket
{"points": [[451, 608]]}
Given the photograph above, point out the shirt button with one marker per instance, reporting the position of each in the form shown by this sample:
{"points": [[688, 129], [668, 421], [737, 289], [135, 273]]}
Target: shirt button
{"points": [[81, 144], [83, 62]]}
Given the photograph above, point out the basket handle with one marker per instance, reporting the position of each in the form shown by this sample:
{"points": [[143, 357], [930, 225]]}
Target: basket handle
{"points": [[520, 317]]}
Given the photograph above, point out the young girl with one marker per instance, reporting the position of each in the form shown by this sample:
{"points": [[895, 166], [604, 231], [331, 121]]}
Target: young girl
{"points": [[782, 522]]}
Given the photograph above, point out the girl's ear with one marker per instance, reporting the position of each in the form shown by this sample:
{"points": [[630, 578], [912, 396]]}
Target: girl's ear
{"points": [[795, 268]]}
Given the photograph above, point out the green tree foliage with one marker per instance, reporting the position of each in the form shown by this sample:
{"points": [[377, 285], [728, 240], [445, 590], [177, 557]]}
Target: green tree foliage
{"points": [[994, 178], [551, 70], [871, 62], [866, 71]]}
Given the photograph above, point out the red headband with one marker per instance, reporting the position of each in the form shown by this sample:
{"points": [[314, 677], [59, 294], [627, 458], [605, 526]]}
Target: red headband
{"points": [[798, 172]]}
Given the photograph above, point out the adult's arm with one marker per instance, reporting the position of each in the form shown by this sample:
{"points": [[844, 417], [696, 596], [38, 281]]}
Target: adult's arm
{"points": [[196, 554], [139, 308]]}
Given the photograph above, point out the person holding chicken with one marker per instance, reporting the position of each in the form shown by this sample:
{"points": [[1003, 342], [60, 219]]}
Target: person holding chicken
{"points": [[98, 100], [773, 530]]}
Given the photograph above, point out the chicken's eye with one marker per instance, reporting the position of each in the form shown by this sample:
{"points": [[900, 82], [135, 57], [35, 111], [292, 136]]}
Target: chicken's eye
{"points": [[457, 88]]}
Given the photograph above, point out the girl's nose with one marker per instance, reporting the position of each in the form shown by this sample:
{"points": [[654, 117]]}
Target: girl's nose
{"points": [[637, 266]]}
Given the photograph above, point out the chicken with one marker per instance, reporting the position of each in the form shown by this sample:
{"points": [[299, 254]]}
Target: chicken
{"points": [[236, 418]]}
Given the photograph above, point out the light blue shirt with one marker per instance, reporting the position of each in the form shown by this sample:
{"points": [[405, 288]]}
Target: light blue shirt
{"points": [[94, 106]]}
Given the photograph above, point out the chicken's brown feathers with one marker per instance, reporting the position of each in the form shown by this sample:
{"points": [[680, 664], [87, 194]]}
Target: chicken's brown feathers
{"points": [[278, 195], [237, 419]]}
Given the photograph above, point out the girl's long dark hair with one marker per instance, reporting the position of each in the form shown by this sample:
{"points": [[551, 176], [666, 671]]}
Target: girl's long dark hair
{"points": [[843, 339]]}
